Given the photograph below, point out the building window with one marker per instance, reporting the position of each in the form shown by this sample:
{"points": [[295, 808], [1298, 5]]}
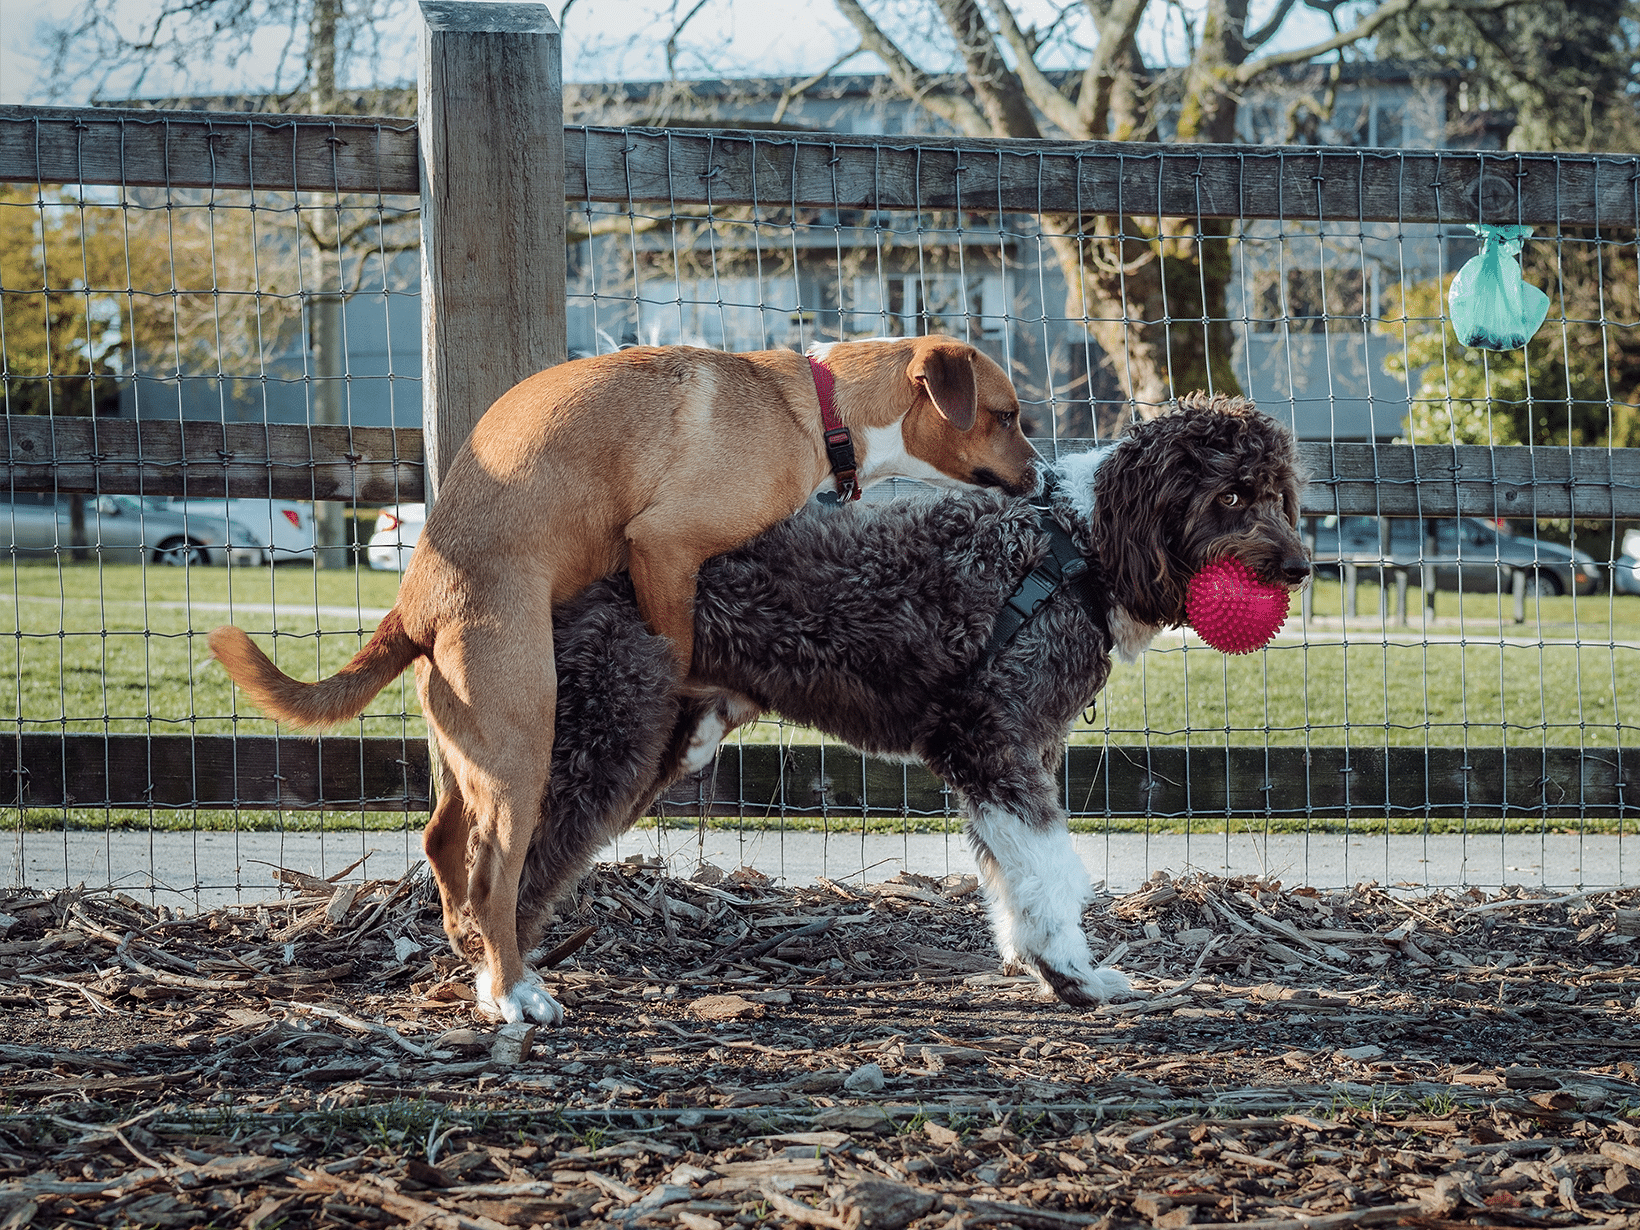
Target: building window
{"points": [[911, 305]]}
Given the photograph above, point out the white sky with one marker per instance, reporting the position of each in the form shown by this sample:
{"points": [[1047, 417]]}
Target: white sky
{"points": [[604, 40]]}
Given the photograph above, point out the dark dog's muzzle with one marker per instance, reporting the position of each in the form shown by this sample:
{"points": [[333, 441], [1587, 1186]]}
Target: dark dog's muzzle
{"points": [[1295, 570]]}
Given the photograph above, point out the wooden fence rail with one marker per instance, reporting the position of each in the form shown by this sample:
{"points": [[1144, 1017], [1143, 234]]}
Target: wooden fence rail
{"points": [[761, 781], [182, 149], [196, 457], [383, 465]]}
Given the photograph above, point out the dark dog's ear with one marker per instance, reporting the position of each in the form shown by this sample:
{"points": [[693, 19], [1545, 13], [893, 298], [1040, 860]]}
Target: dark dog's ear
{"points": [[1140, 498], [946, 374]]}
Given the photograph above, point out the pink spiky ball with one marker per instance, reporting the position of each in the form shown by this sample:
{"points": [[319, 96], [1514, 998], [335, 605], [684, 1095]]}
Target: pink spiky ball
{"points": [[1231, 609]]}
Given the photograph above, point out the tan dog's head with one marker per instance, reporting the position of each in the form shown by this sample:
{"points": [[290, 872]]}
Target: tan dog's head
{"points": [[965, 419]]}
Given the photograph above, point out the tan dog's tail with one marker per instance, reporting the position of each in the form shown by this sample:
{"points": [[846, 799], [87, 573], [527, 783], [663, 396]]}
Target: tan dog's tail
{"points": [[311, 706]]}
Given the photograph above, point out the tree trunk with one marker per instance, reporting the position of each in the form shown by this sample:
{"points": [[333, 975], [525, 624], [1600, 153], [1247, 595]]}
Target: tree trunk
{"points": [[1155, 302], [1155, 294]]}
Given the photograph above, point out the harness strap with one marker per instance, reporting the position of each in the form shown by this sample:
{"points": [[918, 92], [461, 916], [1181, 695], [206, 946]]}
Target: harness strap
{"points": [[839, 440], [1063, 568]]}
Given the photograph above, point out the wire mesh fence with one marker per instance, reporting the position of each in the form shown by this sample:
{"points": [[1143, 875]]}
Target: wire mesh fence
{"points": [[150, 329], [1454, 701]]}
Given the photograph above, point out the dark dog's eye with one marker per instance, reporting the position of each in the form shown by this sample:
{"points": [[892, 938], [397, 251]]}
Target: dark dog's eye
{"points": [[1230, 499]]}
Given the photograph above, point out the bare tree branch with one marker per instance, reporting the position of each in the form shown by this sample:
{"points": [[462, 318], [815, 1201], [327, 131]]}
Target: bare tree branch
{"points": [[1039, 37], [1262, 35], [672, 39], [1366, 27], [1117, 26], [1060, 111], [793, 93], [914, 83], [997, 86], [182, 39]]}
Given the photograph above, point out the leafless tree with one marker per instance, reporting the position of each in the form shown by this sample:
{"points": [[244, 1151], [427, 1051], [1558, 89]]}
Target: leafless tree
{"points": [[1152, 291]]}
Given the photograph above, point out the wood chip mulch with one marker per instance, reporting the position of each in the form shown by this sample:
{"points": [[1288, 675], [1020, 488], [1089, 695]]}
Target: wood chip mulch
{"points": [[743, 1054]]}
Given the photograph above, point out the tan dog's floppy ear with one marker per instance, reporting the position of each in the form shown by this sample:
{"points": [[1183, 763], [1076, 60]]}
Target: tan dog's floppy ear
{"points": [[946, 373]]}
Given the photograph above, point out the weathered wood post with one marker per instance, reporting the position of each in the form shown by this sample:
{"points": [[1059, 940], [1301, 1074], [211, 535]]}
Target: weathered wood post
{"points": [[491, 116]]}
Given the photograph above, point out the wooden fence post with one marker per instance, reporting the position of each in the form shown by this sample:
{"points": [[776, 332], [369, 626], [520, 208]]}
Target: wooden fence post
{"points": [[491, 116]]}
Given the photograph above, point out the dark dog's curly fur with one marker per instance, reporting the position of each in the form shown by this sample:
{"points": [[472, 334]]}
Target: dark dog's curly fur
{"points": [[871, 624]]}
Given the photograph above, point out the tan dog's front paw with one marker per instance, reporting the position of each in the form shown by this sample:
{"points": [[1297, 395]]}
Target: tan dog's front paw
{"points": [[526, 1000]]}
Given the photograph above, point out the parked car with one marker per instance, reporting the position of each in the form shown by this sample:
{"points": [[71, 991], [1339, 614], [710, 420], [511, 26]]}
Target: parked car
{"points": [[118, 529], [1484, 556], [398, 526], [1626, 567], [256, 531], [1626, 574]]}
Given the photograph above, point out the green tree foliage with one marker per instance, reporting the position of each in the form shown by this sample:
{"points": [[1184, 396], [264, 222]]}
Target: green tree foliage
{"points": [[96, 290], [1565, 68], [60, 329], [1576, 382]]}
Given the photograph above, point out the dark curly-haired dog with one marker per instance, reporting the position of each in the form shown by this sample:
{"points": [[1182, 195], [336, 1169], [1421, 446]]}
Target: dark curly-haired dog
{"points": [[872, 624]]}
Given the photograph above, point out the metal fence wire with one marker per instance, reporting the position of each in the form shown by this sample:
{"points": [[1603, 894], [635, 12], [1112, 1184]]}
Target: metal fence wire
{"points": [[211, 369]]}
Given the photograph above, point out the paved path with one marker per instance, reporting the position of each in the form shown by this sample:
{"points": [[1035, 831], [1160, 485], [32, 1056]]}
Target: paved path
{"points": [[228, 867]]}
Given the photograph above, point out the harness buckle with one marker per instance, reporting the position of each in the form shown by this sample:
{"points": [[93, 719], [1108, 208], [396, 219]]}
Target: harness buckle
{"points": [[840, 455]]}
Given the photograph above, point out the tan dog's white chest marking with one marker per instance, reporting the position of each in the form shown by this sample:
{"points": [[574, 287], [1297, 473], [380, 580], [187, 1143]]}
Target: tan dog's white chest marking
{"points": [[886, 456], [656, 458]]}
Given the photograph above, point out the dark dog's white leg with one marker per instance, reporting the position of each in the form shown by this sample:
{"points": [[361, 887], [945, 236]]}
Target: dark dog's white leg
{"points": [[727, 711], [1036, 887]]}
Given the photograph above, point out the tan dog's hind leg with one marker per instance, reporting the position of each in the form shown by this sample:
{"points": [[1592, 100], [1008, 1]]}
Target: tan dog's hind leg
{"points": [[445, 844], [663, 577], [666, 545], [492, 694]]}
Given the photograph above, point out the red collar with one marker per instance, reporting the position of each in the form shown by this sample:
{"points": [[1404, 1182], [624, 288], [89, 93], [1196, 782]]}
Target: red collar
{"points": [[839, 442]]}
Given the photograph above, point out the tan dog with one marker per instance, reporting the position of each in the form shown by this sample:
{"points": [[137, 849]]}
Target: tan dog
{"points": [[651, 459]]}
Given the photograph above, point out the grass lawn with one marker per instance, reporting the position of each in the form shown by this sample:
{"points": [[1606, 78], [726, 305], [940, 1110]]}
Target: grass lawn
{"points": [[121, 649]]}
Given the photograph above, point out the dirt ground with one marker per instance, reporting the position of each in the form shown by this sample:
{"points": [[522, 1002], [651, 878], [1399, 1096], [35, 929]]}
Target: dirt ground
{"points": [[739, 1054]]}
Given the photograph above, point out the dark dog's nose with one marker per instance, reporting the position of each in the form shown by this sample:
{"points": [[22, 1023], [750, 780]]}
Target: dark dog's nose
{"points": [[1294, 568]]}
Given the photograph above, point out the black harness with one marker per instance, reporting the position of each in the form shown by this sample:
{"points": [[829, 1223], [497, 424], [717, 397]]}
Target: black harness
{"points": [[1064, 567]]}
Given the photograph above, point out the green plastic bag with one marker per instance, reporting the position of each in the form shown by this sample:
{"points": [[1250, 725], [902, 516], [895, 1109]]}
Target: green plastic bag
{"points": [[1492, 306]]}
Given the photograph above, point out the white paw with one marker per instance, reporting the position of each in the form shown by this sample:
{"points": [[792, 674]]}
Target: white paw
{"points": [[526, 1001], [703, 744], [1079, 982], [1110, 983]]}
